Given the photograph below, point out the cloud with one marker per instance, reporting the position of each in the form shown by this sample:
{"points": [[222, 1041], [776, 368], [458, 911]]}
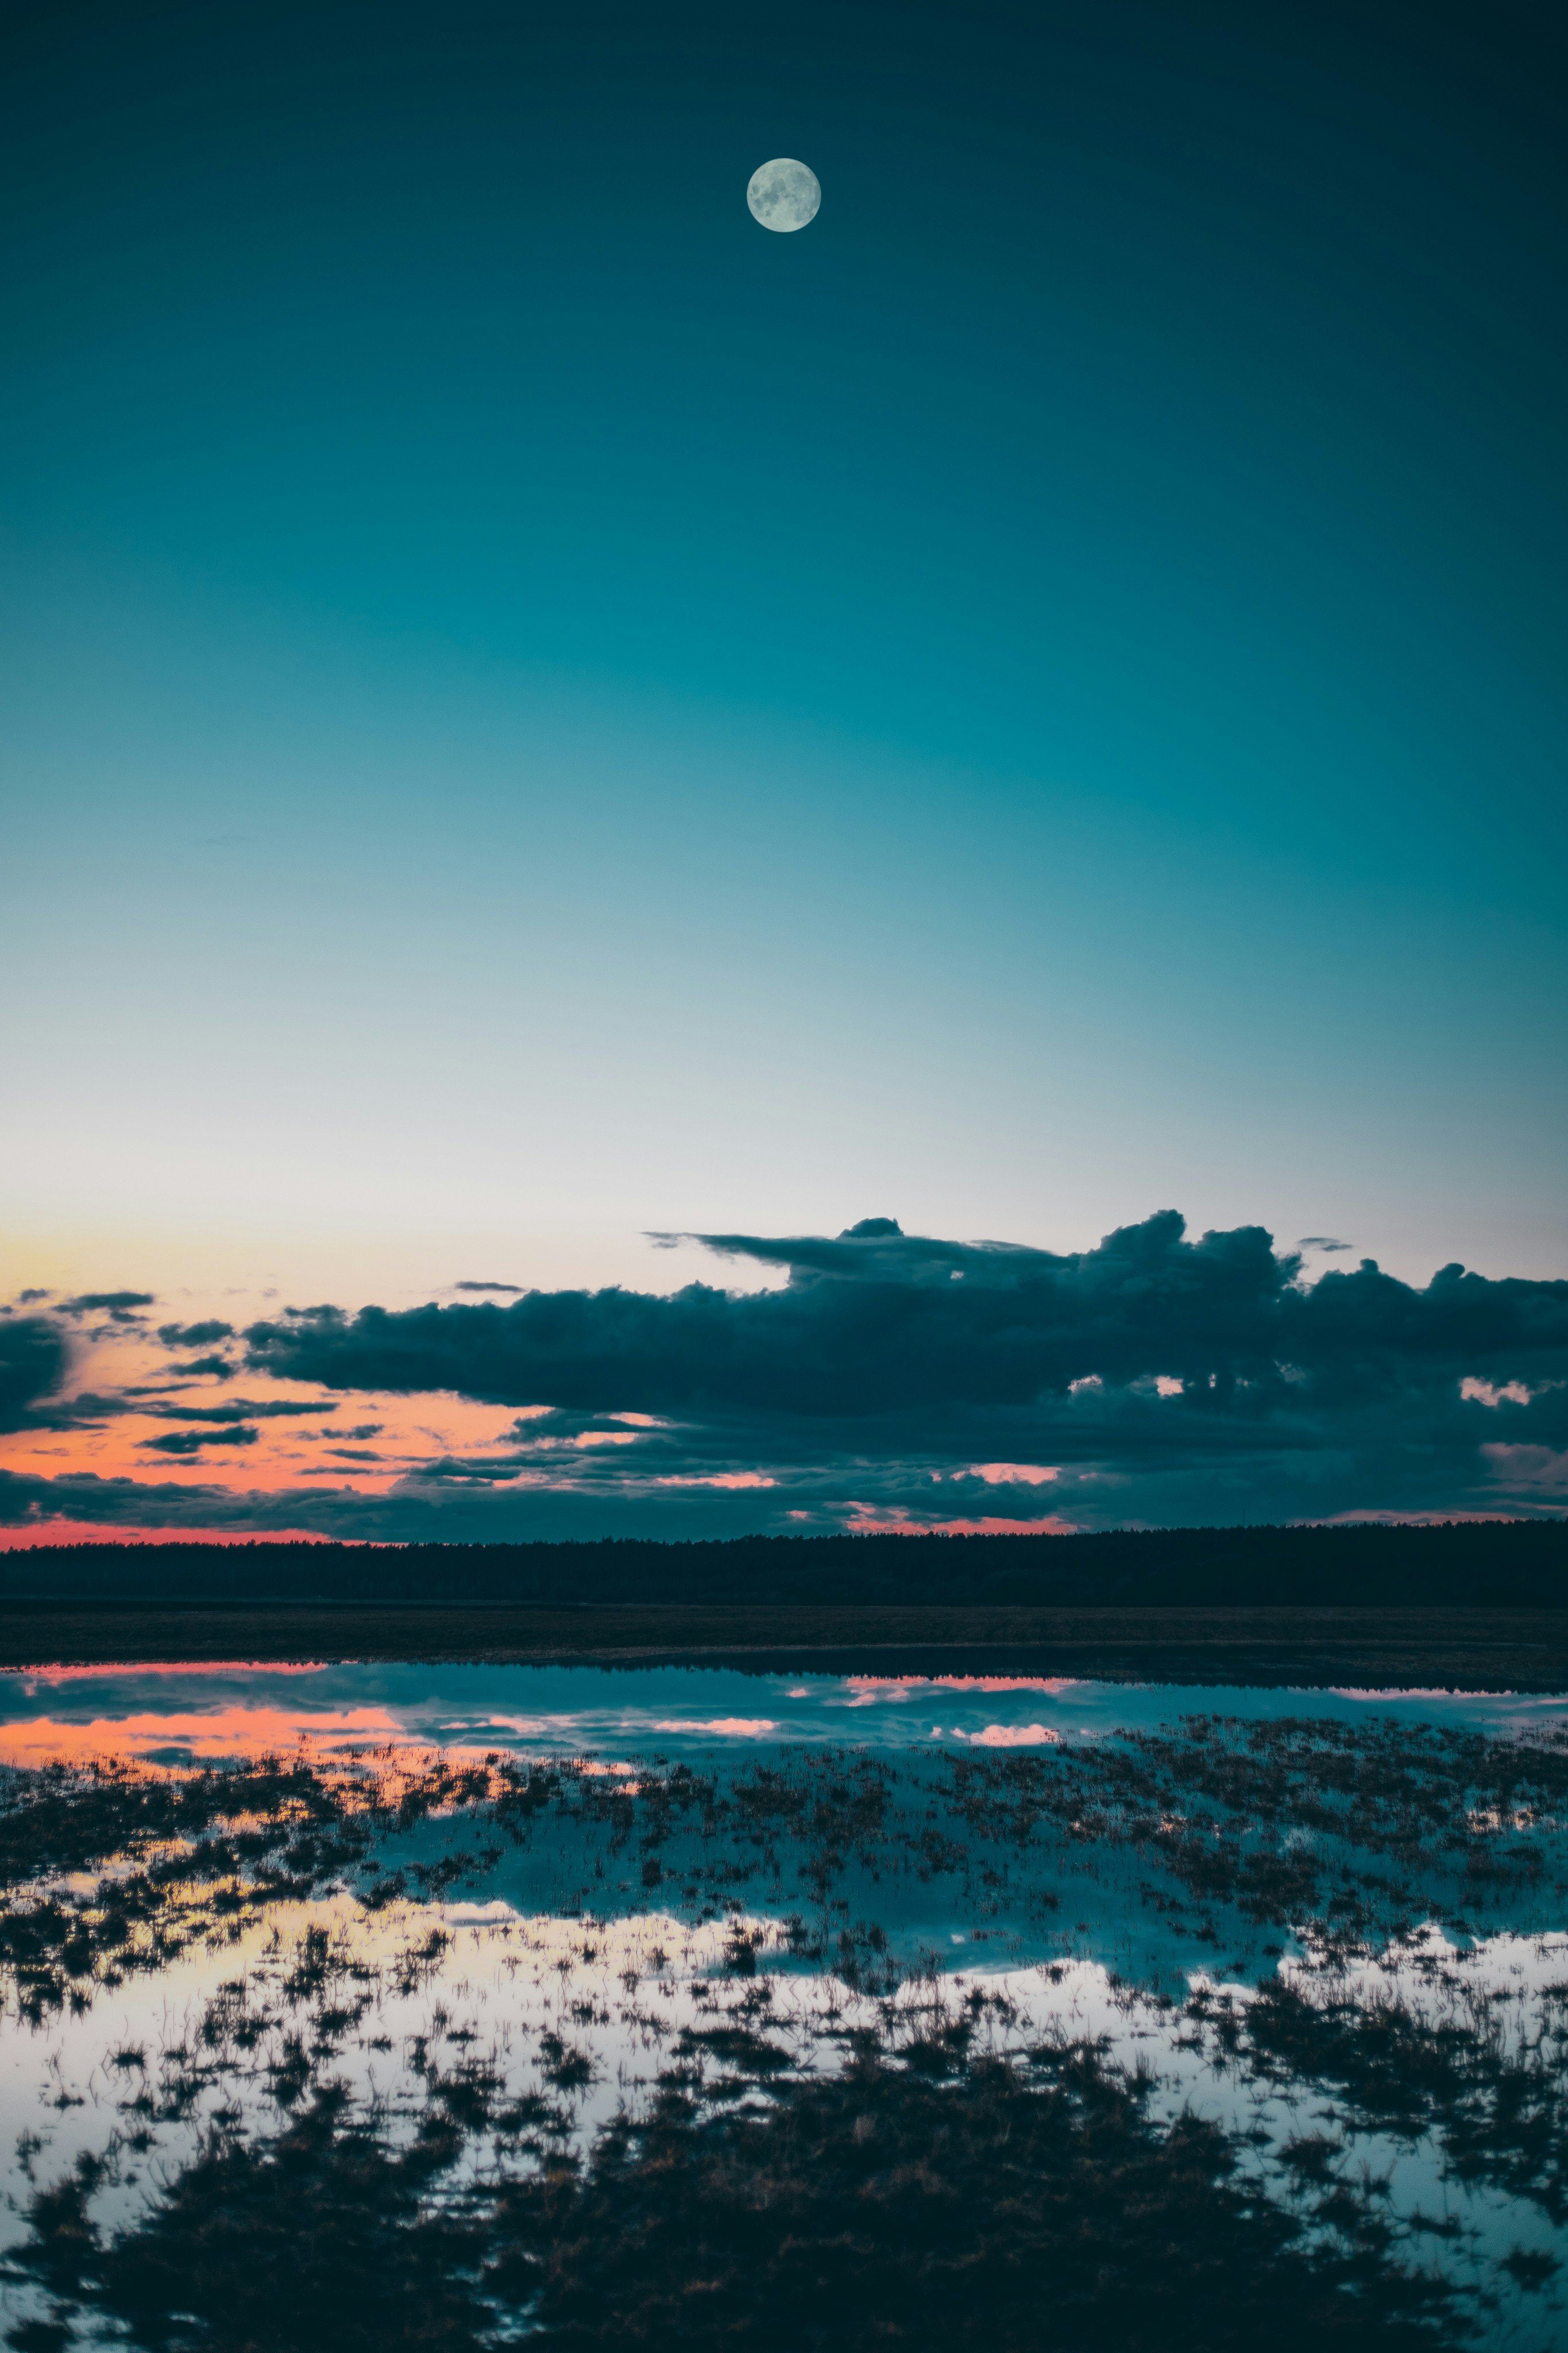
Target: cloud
{"points": [[194, 1335], [1155, 1376], [1489, 1393], [1532, 1467], [515, 1288], [33, 1361], [869, 1325], [1323, 1242], [901, 1380], [243, 1409], [117, 1302], [187, 1441], [28, 1499], [413, 1512], [731, 1480], [87, 1409]]}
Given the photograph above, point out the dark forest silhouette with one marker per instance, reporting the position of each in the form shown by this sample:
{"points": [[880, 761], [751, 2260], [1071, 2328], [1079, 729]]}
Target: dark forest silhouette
{"points": [[1456, 1563]]}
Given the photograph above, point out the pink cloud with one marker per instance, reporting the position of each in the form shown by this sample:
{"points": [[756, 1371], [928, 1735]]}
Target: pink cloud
{"points": [[1529, 1466], [715, 1479], [1485, 1393]]}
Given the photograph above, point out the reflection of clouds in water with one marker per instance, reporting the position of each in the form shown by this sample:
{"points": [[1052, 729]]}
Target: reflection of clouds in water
{"points": [[223, 1733], [1011, 1735], [235, 1708], [872, 1690], [734, 1727], [32, 1680], [556, 1728], [910, 1686], [912, 1862], [566, 1730], [618, 1998]]}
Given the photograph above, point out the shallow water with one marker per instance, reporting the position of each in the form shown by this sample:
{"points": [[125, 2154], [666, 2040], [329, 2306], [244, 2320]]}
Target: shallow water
{"points": [[172, 1713], [538, 1890]]}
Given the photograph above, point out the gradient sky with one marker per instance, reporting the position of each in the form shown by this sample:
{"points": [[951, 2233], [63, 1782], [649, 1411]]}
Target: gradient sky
{"points": [[533, 709]]}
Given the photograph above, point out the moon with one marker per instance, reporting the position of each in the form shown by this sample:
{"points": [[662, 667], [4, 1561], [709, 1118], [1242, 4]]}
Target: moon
{"points": [[784, 194]]}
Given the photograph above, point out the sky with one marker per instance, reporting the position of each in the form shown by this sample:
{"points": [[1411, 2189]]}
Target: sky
{"points": [[536, 714]]}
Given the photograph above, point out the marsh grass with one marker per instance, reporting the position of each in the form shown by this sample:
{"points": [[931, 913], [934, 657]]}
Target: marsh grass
{"points": [[891, 2164], [891, 2199], [1497, 2104], [1229, 1830]]}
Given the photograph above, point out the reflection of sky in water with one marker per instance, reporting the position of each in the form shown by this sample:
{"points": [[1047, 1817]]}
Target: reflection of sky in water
{"points": [[676, 1711], [621, 1992], [572, 1929]]}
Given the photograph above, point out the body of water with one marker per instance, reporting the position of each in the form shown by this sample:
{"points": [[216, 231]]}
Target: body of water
{"points": [[537, 1904], [179, 1712]]}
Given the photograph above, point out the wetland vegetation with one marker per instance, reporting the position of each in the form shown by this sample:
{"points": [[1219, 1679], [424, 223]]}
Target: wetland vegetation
{"points": [[1159, 2039]]}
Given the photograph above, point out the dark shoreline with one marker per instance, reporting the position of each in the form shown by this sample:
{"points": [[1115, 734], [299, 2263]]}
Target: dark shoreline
{"points": [[1473, 1648]]}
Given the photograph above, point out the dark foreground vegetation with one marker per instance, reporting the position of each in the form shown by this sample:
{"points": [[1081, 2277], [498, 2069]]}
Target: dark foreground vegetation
{"points": [[1519, 1563], [919, 2197]]}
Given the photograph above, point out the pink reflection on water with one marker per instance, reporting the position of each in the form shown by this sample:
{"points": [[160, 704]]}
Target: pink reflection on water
{"points": [[738, 1727], [868, 1689], [30, 1677], [224, 1732], [1012, 1736]]}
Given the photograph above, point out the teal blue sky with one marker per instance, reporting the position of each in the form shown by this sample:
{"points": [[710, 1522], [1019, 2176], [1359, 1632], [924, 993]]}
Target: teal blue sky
{"points": [[534, 709]]}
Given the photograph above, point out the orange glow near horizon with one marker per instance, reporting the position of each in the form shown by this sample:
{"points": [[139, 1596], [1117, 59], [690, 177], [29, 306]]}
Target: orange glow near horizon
{"points": [[73, 1532], [365, 1443], [301, 1439], [296, 1447]]}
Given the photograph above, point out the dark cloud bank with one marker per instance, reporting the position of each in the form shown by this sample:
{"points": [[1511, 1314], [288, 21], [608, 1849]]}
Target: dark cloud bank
{"points": [[34, 1356], [1159, 1379]]}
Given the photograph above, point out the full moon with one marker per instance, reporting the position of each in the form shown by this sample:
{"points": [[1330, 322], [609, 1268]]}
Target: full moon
{"points": [[783, 194]]}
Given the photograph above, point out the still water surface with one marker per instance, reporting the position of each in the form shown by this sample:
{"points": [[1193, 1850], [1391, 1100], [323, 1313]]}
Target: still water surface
{"points": [[1332, 1922], [172, 1711]]}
